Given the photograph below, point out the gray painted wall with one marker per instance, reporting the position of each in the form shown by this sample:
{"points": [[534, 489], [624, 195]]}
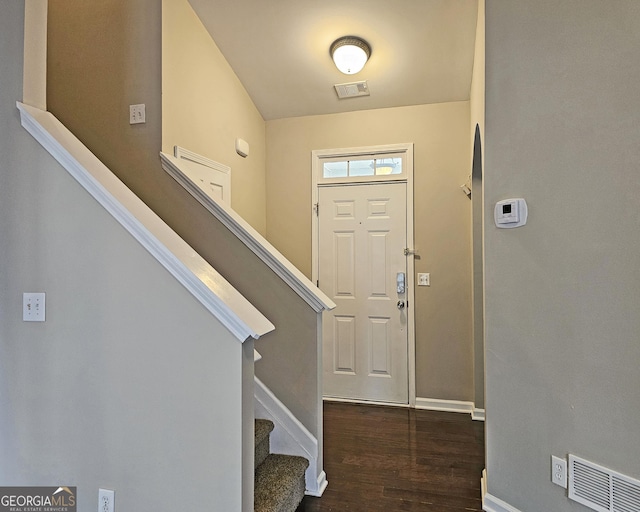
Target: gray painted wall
{"points": [[130, 384], [562, 294], [98, 41]]}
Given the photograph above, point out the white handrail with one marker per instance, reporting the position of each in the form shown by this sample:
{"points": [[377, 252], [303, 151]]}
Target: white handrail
{"points": [[251, 238], [187, 266]]}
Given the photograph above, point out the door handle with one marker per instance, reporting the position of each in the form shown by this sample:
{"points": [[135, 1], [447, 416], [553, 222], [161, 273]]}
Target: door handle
{"points": [[400, 304]]}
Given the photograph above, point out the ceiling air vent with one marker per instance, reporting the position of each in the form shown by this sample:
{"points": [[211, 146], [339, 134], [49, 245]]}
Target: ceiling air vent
{"points": [[352, 89], [602, 489]]}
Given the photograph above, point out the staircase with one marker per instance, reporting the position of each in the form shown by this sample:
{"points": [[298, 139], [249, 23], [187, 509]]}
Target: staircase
{"points": [[279, 479]]}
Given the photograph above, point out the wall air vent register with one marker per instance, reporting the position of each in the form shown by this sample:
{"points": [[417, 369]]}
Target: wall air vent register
{"points": [[602, 489]]}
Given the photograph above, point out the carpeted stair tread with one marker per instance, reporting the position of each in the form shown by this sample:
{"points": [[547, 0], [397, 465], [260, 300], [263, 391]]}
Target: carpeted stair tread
{"points": [[280, 483], [262, 430]]}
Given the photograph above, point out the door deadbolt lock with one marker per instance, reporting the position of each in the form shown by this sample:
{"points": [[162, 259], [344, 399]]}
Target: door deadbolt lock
{"points": [[400, 304]]}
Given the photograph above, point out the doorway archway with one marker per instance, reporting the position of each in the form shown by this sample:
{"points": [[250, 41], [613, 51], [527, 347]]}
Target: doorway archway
{"points": [[478, 269]]}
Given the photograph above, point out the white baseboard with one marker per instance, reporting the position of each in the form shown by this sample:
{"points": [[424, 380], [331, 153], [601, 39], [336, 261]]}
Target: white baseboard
{"points": [[427, 404], [491, 503], [289, 436], [436, 404], [477, 414], [320, 486], [362, 402]]}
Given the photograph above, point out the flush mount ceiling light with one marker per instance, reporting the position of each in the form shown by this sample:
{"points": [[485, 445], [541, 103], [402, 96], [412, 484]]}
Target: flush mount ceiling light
{"points": [[350, 54]]}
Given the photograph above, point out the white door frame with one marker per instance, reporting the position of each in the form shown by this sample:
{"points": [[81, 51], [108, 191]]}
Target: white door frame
{"points": [[316, 169]]}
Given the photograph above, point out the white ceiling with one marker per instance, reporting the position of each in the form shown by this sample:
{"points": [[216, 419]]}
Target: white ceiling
{"points": [[422, 51]]}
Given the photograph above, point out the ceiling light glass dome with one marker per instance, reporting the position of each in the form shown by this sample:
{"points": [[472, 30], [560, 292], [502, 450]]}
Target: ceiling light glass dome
{"points": [[350, 54]]}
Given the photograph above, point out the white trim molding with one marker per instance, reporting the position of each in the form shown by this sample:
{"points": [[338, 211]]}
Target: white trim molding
{"points": [[425, 404], [289, 436], [251, 238], [477, 414], [436, 404], [181, 152], [491, 503], [220, 174], [220, 298], [363, 402]]}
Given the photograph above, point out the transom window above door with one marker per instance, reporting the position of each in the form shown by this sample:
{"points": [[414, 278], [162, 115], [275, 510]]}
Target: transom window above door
{"points": [[383, 167]]}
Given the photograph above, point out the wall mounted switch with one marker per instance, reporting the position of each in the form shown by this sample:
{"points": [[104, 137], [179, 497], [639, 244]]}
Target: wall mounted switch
{"points": [[424, 279], [33, 307], [510, 213], [137, 114]]}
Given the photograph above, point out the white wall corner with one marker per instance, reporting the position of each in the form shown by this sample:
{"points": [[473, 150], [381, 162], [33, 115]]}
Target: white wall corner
{"points": [[491, 503], [289, 436]]}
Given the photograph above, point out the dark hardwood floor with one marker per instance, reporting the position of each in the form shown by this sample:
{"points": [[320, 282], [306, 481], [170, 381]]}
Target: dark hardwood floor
{"points": [[392, 459]]}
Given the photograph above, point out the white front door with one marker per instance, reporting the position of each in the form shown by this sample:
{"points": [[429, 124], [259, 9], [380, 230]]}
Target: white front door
{"points": [[362, 231]]}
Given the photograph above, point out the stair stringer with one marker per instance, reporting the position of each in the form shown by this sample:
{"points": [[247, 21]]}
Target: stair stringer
{"points": [[290, 437]]}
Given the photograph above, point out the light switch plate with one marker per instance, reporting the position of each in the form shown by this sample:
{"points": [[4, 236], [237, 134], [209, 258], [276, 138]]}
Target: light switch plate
{"points": [[424, 279], [137, 114], [33, 307]]}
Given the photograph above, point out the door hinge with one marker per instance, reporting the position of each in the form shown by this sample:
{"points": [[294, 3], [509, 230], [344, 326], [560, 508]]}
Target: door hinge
{"points": [[316, 208]]}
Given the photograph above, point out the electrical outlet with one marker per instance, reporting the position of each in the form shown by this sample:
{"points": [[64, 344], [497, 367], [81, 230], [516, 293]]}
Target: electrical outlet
{"points": [[106, 499], [33, 307], [559, 471]]}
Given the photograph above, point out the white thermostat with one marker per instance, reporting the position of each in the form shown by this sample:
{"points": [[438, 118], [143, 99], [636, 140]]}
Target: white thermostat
{"points": [[510, 213]]}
